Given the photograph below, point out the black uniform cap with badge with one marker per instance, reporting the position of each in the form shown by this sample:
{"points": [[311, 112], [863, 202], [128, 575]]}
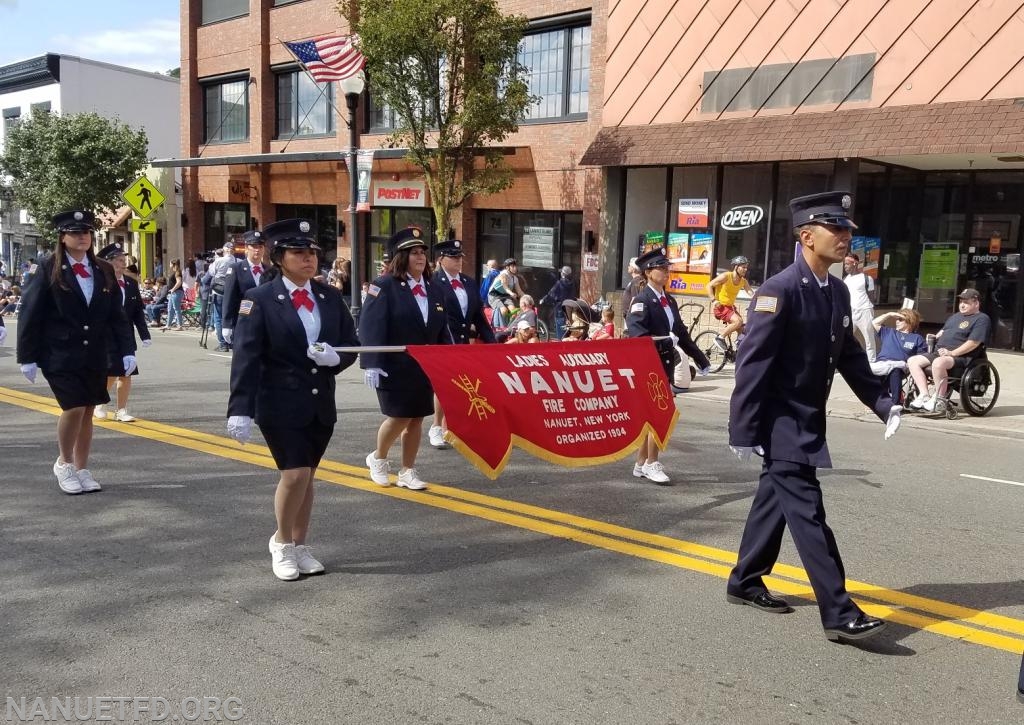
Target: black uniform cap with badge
{"points": [[74, 220], [111, 251], [286, 234], [652, 259], [449, 248], [830, 207], [403, 239], [254, 237]]}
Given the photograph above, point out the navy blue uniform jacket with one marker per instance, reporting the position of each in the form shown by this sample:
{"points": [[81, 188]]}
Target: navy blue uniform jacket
{"points": [[795, 341], [134, 309], [391, 316], [272, 380], [59, 332], [474, 322], [646, 317], [238, 280]]}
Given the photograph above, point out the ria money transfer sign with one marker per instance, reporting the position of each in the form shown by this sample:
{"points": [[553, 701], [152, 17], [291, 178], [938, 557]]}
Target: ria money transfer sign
{"points": [[573, 404]]}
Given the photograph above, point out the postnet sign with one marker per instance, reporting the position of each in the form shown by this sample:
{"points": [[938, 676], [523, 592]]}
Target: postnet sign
{"points": [[742, 217], [400, 193]]}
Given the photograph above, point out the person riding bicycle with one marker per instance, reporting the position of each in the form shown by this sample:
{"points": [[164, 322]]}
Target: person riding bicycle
{"points": [[723, 291]]}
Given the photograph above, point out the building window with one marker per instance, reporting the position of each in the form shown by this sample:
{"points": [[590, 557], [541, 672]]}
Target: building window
{"points": [[541, 241], [226, 111], [558, 72], [285, 2], [11, 117], [43, 107], [325, 221], [224, 223], [381, 117], [743, 222], [304, 107], [217, 10]]}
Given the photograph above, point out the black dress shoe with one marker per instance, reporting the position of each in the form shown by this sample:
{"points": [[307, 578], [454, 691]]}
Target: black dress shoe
{"points": [[860, 628], [762, 600], [222, 347]]}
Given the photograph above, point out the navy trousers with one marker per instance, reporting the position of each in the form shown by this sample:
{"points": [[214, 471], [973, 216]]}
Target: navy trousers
{"points": [[789, 493]]}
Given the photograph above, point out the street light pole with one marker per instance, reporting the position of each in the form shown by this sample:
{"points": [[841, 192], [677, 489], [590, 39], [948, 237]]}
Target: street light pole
{"points": [[352, 87]]}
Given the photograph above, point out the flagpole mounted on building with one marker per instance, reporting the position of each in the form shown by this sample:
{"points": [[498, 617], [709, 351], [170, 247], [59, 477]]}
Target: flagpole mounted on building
{"points": [[336, 58]]}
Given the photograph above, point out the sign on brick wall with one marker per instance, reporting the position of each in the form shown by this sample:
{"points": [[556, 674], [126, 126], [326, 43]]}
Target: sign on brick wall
{"points": [[399, 193]]}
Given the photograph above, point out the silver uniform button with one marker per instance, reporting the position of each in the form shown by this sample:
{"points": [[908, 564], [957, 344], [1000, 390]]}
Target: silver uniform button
{"points": [[85, 327], [833, 338], [315, 391], [85, 342], [313, 371]]}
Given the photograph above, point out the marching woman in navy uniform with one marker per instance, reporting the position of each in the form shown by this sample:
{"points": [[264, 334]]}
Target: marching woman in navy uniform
{"points": [[466, 319], [131, 298], [402, 307], [240, 277], [71, 317], [655, 314], [283, 376], [798, 335]]}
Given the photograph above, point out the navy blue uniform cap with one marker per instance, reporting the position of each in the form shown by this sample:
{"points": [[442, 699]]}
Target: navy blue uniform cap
{"points": [[405, 239], [74, 220], [449, 248], [288, 234], [652, 259], [253, 237], [110, 251], [830, 207]]}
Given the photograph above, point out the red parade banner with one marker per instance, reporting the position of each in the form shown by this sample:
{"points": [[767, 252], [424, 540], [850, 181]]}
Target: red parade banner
{"points": [[574, 404]]}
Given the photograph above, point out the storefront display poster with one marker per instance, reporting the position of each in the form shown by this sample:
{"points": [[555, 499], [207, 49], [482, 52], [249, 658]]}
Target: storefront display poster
{"points": [[867, 250], [700, 253], [678, 251], [939, 264], [693, 214], [651, 240], [689, 284]]}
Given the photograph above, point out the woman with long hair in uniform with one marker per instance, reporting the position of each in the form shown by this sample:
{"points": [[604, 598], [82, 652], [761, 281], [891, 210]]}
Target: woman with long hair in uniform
{"points": [[71, 316], [282, 326], [403, 307]]}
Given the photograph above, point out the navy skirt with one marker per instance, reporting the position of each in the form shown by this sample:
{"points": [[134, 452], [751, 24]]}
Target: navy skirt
{"points": [[78, 388], [408, 403], [297, 447]]}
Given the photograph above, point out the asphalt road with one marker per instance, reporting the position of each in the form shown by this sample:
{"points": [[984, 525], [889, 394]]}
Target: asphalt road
{"points": [[548, 596]]}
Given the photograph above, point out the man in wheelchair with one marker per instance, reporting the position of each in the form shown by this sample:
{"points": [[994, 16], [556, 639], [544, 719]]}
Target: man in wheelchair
{"points": [[961, 340]]}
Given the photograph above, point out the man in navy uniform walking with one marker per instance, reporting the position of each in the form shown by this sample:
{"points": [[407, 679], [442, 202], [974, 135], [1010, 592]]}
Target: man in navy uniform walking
{"points": [[241, 277], [799, 334]]}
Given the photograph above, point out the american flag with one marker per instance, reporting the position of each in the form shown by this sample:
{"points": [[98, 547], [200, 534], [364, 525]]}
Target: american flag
{"points": [[329, 58]]}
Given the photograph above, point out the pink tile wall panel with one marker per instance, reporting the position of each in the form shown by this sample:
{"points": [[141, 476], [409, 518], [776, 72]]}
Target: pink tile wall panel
{"points": [[981, 76], [620, 19]]}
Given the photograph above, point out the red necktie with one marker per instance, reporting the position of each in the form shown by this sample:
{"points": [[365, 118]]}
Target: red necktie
{"points": [[456, 284], [418, 290], [300, 298], [664, 301], [80, 270], [257, 269], [121, 282]]}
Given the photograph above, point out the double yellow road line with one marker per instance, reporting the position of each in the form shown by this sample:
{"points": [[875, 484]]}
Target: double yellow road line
{"points": [[932, 615]]}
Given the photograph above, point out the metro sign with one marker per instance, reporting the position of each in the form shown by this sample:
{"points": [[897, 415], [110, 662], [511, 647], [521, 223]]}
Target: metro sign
{"points": [[742, 217]]}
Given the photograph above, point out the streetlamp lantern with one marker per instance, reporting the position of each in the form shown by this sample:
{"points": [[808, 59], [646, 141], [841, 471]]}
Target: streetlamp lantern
{"points": [[353, 87]]}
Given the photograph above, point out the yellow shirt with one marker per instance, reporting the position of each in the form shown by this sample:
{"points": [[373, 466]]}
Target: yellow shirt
{"points": [[727, 291]]}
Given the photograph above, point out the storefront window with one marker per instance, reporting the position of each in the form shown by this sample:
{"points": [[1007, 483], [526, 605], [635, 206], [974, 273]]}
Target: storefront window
{"points": [[495, 236], [645, 208], [795, 179], [743, 223], [224, 223], [324, 218], [386, 221]]}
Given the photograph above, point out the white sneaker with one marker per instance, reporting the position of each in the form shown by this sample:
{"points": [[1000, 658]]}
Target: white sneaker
{"points": [[407, 478], [66, 477], [123, 416], [929, 405], [379, 468], [99, 412], [654, 471], [638, 470], [436, 436], [283, 560], [306, 562], [919, 402], [87, 482]]}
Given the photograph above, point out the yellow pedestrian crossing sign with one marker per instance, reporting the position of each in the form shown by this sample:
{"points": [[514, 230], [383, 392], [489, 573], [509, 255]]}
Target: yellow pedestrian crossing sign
{"points": [[143, 197], [143, 226]]}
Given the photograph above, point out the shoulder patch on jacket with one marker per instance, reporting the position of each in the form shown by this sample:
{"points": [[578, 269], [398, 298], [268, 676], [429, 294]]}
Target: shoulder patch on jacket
{"points": [[373, 290], [636, 307], [245, 308], [766, 304]]}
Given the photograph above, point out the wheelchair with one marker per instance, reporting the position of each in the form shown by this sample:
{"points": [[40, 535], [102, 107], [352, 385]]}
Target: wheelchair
{"points": [[976, 385]]}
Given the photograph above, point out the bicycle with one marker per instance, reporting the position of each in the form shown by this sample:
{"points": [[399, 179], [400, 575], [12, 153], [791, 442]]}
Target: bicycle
{"points": [[706, 339]]}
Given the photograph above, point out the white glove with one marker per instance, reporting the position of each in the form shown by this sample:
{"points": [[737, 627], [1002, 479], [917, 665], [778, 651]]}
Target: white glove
{"points": [[674, 338], [240, 428], [147, 343], [29, 370], [323, 354], [372, 376], [129, 364], [893, 423], [226, 333], [3, 335], [743, 452], [703, 372]]}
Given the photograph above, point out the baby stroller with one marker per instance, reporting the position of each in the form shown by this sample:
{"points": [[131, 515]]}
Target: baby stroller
{"points": [[581, 320]]}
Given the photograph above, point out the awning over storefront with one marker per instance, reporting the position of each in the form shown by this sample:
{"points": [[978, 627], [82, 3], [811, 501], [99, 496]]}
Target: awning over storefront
{"points": [[976, 134]]}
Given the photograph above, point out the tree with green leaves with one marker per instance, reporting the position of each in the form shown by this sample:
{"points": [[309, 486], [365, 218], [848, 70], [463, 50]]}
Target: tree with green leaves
{"points": [[449, 71], [78, 161]]}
